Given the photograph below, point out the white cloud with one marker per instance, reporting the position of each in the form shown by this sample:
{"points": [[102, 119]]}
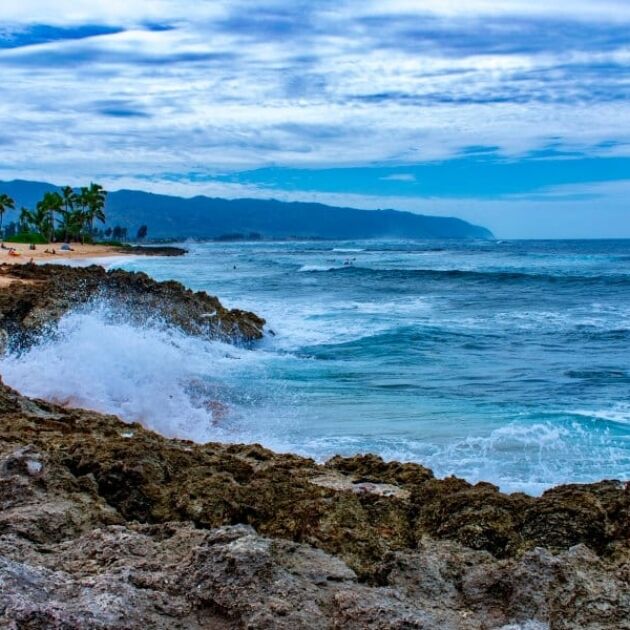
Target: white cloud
{"points": [[607, 10], [129, 11], [238, 85], [64, 12]]}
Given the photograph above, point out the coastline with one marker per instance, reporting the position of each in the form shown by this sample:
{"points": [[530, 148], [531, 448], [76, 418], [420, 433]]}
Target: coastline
{"points": [[39, 255], [81, 254], [262, 539], [106, 524]]}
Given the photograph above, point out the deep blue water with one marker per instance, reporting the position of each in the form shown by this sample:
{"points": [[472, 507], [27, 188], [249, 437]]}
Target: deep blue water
{"points": [[506, 361]]}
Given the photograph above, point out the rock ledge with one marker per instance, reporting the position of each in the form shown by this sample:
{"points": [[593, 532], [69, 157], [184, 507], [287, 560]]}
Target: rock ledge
{"points": [[107, 525], [42, 294]]}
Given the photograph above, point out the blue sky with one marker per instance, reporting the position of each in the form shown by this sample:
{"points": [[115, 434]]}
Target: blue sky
{"points": [[514, 115]]}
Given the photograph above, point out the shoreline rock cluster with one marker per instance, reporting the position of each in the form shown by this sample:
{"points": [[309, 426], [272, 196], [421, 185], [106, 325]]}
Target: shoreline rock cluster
{"points": [[42, 294], [107, 525]]}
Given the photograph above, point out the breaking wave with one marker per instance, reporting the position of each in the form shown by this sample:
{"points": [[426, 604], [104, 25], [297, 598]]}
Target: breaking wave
{"points": [[507, 367], [173, 383]]}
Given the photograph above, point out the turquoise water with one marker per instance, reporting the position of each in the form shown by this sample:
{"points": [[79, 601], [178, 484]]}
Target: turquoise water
{"points": [[507, 362]]}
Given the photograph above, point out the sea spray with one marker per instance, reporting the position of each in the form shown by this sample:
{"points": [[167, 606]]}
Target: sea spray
{"points": [[177, 384], [193, 388]]}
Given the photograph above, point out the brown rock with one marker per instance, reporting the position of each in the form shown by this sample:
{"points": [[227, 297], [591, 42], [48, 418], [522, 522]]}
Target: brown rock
{"points": [[51, 291], [108, 525]]}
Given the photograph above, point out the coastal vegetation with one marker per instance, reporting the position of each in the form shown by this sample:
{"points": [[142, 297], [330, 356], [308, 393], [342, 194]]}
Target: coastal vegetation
{"points": [[67, 216], [6, 203]]}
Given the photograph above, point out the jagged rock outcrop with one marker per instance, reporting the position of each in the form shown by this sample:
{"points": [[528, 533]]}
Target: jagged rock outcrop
{"points": [[42, 294], [107, 525]]}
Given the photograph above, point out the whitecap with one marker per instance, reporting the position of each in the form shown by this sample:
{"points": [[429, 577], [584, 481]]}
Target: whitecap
{"points": [[618, 414], [309, 268]]}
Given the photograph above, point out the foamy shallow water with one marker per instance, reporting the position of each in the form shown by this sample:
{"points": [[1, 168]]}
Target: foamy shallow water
{"points": [[500, 362]]}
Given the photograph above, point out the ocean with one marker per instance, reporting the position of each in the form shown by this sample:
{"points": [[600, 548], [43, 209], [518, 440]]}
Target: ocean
{"points": [[503, 361]]}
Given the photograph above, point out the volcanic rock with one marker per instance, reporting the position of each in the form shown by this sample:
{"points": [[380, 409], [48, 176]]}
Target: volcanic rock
{"points": [[107, 525], [45, 293]]}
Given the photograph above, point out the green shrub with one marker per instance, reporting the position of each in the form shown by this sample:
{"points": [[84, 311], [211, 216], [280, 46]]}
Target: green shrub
{"points": [[28, 237]]}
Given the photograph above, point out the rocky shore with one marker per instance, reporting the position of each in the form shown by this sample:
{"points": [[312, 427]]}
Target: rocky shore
{"points": [[105, 524], [37, 296]]}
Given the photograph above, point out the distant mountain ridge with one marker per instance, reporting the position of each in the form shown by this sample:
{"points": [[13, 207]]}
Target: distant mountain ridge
{"points": [[208, 217]]}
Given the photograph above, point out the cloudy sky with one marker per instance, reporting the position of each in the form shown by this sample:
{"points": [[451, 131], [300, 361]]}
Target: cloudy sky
{"points": [[511, 114]]}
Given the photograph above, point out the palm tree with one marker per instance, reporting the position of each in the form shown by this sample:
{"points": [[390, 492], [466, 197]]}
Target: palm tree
{"points": [[76, 212], [6, 203], [82, 200], [39, 219], [69, 200], [72, 224], [23, 222], [53, 204], [94, 199]]}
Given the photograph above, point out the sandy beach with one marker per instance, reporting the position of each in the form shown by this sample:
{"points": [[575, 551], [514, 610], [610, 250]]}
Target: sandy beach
{"points": [[91, 253], [40, 253]]}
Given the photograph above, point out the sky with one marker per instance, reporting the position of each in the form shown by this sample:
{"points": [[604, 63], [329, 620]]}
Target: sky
{"points": [[514, 115]]}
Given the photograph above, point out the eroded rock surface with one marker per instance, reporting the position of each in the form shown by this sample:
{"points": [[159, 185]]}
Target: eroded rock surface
{"points": [[107, 525], [47, 292]]}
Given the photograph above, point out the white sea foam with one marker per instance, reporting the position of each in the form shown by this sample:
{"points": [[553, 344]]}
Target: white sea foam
{"points": [[311, 268], [404, 306], [173, 383], [519, 457], [303, 324], [532, 457], [619, 413]]}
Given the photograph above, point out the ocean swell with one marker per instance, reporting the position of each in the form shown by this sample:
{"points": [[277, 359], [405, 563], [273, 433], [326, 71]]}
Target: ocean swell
{"points": [[499, 277]]}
